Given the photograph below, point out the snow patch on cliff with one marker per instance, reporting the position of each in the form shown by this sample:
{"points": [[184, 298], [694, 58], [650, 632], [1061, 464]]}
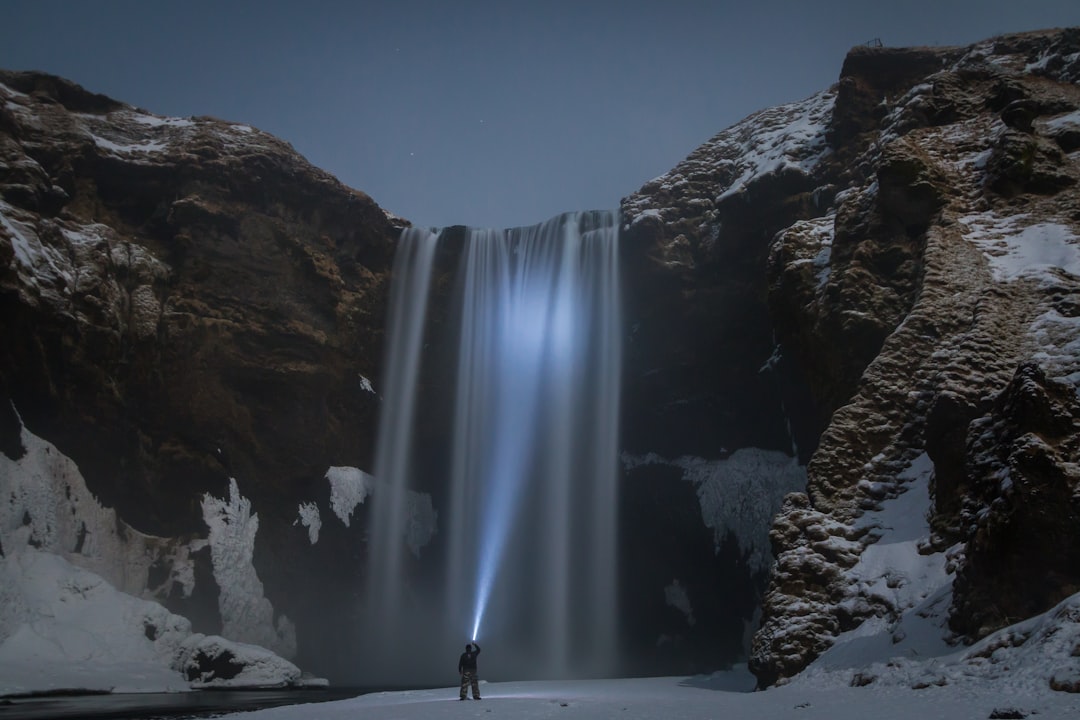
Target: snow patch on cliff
{"points": [[38, 266], [1057, 338], [349, 487], [150, 146], [675, 596], [894, 572], [816, 236], [789, 136], [309, 517], [45, 504], [740, 494], [1016, 249], [246, 614]]}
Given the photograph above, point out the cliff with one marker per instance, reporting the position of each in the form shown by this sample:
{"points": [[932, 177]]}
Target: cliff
{"points": [[911, 234], [186, 302]]}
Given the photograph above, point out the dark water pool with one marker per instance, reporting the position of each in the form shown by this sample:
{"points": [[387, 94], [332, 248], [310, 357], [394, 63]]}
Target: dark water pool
{"points": [[146, 706]]}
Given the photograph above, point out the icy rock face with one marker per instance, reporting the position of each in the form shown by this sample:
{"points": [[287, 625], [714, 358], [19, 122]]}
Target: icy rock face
{"points": [[932, 306], [48, 509], [47, 506]]}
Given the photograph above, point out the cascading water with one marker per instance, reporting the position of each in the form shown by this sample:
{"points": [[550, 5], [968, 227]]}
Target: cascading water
{"points": [[527, 557]]}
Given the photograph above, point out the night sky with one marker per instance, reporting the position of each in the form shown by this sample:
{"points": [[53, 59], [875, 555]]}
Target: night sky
{"points": [[483, 112]]}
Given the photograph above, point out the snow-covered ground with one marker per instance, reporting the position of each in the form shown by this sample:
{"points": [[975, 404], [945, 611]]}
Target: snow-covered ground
{"points": [[65, 628], [723, 695]]}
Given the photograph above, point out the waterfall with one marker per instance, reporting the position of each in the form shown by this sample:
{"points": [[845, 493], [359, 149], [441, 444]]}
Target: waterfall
{"points": [[526, 463]]}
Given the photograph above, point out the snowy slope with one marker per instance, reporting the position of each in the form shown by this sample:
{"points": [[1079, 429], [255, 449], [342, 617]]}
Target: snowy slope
{"points": [[76, 608], [65, 628]]}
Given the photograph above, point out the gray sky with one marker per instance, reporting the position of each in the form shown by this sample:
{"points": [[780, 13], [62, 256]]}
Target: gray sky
{"points": [[483, 112]]}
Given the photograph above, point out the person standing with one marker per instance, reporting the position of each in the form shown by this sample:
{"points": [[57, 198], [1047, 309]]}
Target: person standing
{"points": [[467, 668]]}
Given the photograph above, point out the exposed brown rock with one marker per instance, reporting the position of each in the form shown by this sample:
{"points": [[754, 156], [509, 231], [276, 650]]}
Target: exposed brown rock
{"points": [[1021, 514]]}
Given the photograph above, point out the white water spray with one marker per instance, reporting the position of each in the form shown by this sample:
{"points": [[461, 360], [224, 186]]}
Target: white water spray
{"points": [[527, 519]]}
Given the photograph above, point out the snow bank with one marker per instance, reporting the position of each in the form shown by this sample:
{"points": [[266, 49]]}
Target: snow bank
{"points": [[911, 646], [65, 628], [48, 506], [67, 560]]}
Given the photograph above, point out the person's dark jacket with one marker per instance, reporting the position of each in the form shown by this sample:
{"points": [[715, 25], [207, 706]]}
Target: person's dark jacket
{"points": [[467, 662]]}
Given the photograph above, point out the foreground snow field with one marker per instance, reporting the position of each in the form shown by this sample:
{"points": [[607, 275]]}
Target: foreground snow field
{"points": [[723, 695]]}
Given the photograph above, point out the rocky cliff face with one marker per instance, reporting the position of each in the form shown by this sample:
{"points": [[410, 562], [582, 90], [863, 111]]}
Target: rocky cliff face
{"points": [[185, 301], [910, 238]]}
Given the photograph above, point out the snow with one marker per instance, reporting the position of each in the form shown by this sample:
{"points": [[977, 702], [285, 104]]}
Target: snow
{"points": [[246, 614], [143, 147], [887, 669], [155, 121], [816, 233], [309, 517], [349, 487], [892, 573], [38, 265], [71, 573], [1062, 122], [1057, 338], [739, 494], [65, 628], [721, 695], [787, 136], [1048, 253], [47, 505], [1016, 250]]}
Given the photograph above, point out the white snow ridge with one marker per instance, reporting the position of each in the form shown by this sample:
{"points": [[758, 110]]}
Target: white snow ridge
{"points": [[70, 575]]}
